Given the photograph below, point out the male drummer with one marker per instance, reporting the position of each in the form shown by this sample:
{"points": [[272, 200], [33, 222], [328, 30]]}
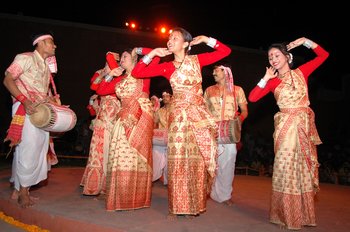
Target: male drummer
{"points": [[159, 152], [225, 101], [27, 79]]}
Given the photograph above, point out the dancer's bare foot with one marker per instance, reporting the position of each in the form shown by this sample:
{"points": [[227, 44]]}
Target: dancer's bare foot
{"points": [[101, 196], [229, 202], [172, 217], [23, 197], [190, 217]]}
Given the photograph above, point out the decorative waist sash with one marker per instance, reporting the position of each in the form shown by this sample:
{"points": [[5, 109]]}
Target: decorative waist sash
{"points": [[314, 137], [188, 97]]}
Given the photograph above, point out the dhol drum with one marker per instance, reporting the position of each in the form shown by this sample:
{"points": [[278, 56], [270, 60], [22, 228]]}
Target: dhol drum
{"points": [[229, 131], [160, 137], [53, 118]]}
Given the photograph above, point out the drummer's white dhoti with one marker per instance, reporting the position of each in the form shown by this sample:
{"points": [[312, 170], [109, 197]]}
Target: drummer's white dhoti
{"points": [[30, 165]]}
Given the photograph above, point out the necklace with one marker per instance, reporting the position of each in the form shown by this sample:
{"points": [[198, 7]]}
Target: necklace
{"points": [[178, 64], [280, 76], [291, 79], [221, 94]]}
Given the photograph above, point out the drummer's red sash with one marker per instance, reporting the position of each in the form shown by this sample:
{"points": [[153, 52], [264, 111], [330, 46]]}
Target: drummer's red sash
{"points": [[14, 133]]}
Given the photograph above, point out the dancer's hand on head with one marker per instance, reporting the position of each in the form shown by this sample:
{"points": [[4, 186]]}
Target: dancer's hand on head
{"points": [[161, 52], [199, 39], [296, 43], [116, 55], [116, 72]]}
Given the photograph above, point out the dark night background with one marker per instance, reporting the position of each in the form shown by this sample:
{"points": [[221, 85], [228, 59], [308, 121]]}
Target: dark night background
{"points": [[239, 24], [249, 28]]}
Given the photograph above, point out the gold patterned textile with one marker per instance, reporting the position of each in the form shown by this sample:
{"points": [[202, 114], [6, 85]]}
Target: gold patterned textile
{"points": [[295, 176], [192, 145], [32, 75], [129, 168], [222, 105], [163, 115], [94, 177]]}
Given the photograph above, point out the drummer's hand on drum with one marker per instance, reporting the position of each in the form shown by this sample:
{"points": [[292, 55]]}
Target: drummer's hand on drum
{"points": [[29, 107]]}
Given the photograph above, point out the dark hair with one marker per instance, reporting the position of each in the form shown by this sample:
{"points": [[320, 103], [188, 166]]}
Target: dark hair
{"points": [[186, 35], [283, 48], [129, 50], [227, 65]]}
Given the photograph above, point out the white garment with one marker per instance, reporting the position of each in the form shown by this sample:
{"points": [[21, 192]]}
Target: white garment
{"points": [[222, 187], [29, 165], [160, 160]]}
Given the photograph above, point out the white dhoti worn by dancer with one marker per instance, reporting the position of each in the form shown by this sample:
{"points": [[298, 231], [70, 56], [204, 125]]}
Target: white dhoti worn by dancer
{"points": [[222, 187], [29, 165], [160, 163]]}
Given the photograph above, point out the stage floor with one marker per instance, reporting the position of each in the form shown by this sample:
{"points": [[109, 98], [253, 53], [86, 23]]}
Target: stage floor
{"points": [[62, 207]]}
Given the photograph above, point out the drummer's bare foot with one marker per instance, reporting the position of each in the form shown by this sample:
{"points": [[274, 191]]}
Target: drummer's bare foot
{"points": [[15, 194], [229, 202], [23, 198]]}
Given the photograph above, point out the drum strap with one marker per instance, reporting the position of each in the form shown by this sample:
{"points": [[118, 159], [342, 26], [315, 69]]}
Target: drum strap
{"points": [[223, 103], [235, 99], [57, 96]]}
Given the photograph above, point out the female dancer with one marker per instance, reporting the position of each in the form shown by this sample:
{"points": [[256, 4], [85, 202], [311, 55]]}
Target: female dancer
{"points": [[129, 167], [94, 177], [192, 131], [295, 172]]}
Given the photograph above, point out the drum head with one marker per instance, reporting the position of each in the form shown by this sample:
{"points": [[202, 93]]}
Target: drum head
{"points": [[42, 117]]}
